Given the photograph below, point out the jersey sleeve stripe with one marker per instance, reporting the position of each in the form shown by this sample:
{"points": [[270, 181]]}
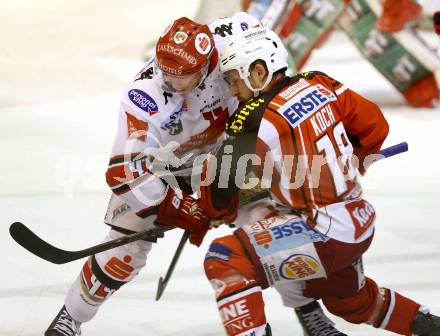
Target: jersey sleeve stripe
{"points": [[121, 189], [120, 177], [252, 288], [118, 159], [340, 90]]}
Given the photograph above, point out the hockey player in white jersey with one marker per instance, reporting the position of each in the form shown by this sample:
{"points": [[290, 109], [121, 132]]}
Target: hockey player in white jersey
{"points": [[176, 107]]}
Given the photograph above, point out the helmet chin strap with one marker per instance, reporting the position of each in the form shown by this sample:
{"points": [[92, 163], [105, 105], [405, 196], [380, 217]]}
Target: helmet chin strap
{"points": [[257, 91], [204, 75]]}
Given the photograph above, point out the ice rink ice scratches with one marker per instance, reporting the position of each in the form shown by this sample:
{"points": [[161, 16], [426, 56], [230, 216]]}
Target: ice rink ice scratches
{"points": [[49, 283]]}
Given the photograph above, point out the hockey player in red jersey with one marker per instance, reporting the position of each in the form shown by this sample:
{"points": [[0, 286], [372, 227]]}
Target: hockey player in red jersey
{"points": [[306, 136], [404, 59]]}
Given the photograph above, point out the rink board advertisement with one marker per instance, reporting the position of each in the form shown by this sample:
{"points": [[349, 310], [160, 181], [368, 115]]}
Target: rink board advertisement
{"points": [[312, 27], [401, 65]]}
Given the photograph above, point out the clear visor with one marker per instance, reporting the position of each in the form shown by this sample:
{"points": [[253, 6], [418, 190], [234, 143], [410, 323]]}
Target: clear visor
{"points": [[184, 83]]}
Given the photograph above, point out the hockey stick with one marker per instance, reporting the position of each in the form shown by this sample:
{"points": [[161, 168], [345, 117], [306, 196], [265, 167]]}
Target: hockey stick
{"points": [[394, 150], [163, 282], [34, 244]]}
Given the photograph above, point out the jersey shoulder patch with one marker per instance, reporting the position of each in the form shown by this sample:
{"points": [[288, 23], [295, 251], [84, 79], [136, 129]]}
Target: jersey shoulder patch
{"points": [[144, 96], [312, 74], [247, 117], [147, 71]]}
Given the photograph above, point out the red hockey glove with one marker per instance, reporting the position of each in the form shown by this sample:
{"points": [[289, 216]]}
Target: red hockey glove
{"points": [[228, 214], [185, 213]]}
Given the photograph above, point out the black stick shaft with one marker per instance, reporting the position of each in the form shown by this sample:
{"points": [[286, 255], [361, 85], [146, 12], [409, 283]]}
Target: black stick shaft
{"points": [[163, 282], [34, 244]]}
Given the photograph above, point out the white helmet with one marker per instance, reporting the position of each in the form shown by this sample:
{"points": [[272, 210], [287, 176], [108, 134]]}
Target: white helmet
{"points": [[251, 45]]}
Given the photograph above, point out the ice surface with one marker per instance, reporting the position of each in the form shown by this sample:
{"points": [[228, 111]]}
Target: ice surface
{"points": [[63, 66]]}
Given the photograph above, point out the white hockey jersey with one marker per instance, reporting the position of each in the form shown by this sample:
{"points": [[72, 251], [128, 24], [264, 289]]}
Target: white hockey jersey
{"points": [[155, 122]]}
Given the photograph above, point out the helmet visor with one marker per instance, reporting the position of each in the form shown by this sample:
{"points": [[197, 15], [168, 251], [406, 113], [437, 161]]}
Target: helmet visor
{"points": [[184, 83]]}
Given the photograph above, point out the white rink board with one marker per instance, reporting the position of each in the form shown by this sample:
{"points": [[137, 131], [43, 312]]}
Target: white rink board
{"points": [[62, 71]]}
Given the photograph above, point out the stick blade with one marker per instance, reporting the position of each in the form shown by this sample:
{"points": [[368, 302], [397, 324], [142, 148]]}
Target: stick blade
{"points": [[34, 244]]}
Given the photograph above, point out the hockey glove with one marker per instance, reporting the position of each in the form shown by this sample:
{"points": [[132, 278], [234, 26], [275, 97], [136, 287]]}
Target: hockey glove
{"points": [[185, 213]]}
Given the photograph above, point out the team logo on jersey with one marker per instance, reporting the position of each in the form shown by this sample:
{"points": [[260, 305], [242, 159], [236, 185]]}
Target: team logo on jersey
{"points": [[174, 124], [136, 128], [145, 74], [203, 43], [299, 266], [224, 29], [143, 100], [305, 103], [175, 128], [180, 37]]}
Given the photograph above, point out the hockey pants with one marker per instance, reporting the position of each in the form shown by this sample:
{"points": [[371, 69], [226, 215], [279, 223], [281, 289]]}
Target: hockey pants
{"points": [[346, 292]]}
